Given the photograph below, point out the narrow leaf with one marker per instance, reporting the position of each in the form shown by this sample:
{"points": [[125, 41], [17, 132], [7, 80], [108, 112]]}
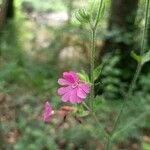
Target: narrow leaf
{"points": [[83, 76], [146, 58], [135, 56], [97, 71], [82, 16], [83, 113]]}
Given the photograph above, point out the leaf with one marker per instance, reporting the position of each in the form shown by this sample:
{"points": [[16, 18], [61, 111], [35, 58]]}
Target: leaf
{"points": [[146, 58], [98, 70], [145, 146], [130, 124], [82, 16], [135, 56], [100, 14], [83, 76], [83, 113], [102, 11], [80, 112]]}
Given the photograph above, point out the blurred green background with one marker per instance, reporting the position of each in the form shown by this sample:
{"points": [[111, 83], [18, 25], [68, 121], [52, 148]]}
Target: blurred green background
{"points": [[41, 39]]}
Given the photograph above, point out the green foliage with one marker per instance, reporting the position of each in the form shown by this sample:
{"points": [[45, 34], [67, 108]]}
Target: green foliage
{"points": [[82, 16], [145, 146], [81, 112], [135, 56], [42, 6], [146, 58], [83, 76], [78, 139], [35, 138], [110, 77], [97, 71]]}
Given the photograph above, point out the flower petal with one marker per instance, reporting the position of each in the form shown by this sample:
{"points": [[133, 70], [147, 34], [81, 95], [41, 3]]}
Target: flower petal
{"points": [[62, 81], [85, 87], [79, 100], [71, 76], [73, 96], [81, 93], [66, 97], [47, 112], [74, 76], [61, 91], [68, 77]]}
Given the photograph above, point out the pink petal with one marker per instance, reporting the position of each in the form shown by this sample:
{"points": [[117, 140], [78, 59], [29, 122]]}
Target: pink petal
{"points": [[79, 100], [85, 87], [81, 93], [74, 75], [47, 112], [61, 91], [66, 97], [71, 76], [63, 82], [67, 76], [73, 96]]}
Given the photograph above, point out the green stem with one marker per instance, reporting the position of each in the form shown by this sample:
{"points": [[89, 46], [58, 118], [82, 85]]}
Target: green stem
{"points": [[109, 144], [139, 66], [98, 14], [103, 132], [94, 28], [136, 75], [145, 28], [130, 124], [92, 68]]}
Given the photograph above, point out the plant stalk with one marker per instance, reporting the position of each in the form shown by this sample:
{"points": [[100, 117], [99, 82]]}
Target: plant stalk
{"points": [[94, 28], [136, 75], [92, 68], [96, 120]]}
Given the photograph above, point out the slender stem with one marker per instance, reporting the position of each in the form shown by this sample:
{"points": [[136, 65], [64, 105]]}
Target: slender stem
{"points": [[145, 28], [92, 68], [109, 144], [139, 66], [96, 119], [136, 75], [94, 28], [130, 124], [98, 14]]}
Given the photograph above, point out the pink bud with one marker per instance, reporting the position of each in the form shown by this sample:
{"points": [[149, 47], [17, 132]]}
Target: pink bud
{"points": [[47, 112]]}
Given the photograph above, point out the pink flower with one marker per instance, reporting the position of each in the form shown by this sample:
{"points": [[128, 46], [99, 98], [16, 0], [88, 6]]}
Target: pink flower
{"points": [[74, 90], [47, 112]]}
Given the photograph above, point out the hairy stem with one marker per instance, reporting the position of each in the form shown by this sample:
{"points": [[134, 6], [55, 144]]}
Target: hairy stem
{"points": [[92, 68], [98, 14], [103, 132], [133, 83], [94, 28], [108, 147]]}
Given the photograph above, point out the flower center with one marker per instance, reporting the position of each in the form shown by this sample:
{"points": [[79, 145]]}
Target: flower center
{"points": [[75, 85]]}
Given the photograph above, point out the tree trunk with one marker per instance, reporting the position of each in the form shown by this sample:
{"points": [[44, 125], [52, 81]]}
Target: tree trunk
{"points": [[121, 29], [3, 10], [121, 24], [10, 9], [6, 11]]}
